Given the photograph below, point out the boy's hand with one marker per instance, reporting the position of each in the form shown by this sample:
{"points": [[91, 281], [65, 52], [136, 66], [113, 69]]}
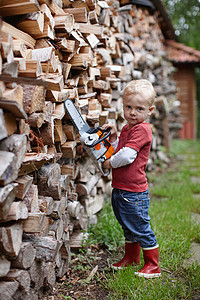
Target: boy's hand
{"points": [[106, 164], [113, 135]]}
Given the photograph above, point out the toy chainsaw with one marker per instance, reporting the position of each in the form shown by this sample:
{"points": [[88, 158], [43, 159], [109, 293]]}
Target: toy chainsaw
{"points": [[93, 139]]}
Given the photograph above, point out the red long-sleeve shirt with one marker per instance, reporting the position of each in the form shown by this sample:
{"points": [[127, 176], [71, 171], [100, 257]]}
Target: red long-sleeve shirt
{"points": [[132, 177]]}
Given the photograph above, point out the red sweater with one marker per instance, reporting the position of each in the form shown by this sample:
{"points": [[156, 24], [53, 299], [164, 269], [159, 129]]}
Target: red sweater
{"points": [[132, 177]]}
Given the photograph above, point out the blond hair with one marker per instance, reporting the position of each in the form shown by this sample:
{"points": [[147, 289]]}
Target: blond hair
{"points": [[141, 86]]}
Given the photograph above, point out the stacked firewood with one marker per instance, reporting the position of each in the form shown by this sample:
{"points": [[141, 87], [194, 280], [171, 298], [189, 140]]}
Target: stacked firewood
{"points": [[49, 188]]}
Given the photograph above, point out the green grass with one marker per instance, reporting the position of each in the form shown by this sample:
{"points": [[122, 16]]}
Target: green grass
{"points": [[108, 232], [172, 202]]}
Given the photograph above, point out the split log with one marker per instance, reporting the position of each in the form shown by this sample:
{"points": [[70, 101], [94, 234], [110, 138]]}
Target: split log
{"points": [[50, 82], [64, 23], [70, 132], [56, 96], [10, 123], [64, 181], [89, 28], [18, 211], [79, 13], [11, 239], [67, 46], [63, 204], [36, 272], [4, 266], [54, 7], [24, 127], [85, 189], [46, 56], [14, 107], [47, 132], [31, 199], [8, 289], [105, 100], [73, 208], [103, 117], [93, 40], [10, 69], [20, 276], [3, 131], [19, 48], [48, 181], [25, 257], [7, 196], [68, 149], [65, 251], [36, 120], [49, 275], [59, 134], [57, 228], [94, 204], [53, 82], [18, 34], [81, 221], [56, 214], [43, 54], [34, 222], [6, 49], [7, 160], [32, 24], [34, 161], [33, 98], [63, 268], [93, 18], [16, 144], [33, 69], [46, 248], [59, 111], [12, 9], [76, 240], [24, 183], [46, 204]]}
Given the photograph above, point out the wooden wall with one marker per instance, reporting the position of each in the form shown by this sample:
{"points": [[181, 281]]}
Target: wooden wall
{"points": [[186, 86]]}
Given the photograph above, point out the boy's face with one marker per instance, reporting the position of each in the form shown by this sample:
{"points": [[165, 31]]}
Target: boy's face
{"points": [[136, 109]]}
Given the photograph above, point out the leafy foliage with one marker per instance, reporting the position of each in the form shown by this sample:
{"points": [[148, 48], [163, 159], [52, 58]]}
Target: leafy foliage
{"points": [[185, 16]]}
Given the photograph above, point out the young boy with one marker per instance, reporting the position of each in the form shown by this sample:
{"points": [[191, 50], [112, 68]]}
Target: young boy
{"points": [[130, 195]]}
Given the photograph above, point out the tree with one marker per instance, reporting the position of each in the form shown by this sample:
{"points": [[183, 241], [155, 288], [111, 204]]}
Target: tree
{"points": [[185, 16]]}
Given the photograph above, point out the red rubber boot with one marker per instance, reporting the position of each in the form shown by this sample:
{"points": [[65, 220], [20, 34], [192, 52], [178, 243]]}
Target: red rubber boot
{"points": [[151, 267], [131, 256]]}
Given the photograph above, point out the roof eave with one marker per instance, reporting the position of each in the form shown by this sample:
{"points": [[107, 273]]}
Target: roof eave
{"points": [[166, 25]]}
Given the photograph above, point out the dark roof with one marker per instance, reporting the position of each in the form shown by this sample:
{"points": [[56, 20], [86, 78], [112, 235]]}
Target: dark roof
{"points": [[146, 3], [180, 53]]}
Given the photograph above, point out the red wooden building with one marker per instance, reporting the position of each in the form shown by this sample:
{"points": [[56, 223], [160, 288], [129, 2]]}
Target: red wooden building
{"points": [[185, 59]]}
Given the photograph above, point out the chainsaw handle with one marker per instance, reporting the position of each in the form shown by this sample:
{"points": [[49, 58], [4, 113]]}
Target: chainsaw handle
{"points": [[108, 130], [103, 173]]}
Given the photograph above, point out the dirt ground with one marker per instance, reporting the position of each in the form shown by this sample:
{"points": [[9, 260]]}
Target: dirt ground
{"points": [[85, 278]]}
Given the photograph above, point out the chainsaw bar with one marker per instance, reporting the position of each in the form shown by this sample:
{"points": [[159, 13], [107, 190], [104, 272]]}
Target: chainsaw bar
{"points": [[76, 117], [83, 127]]}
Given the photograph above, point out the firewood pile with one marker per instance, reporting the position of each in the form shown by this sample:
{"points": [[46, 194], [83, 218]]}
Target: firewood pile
{"points": [[49, 188]]}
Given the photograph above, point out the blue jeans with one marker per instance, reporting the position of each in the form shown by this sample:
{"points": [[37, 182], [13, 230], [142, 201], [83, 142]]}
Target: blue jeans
{"points": [[131, 211]]}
